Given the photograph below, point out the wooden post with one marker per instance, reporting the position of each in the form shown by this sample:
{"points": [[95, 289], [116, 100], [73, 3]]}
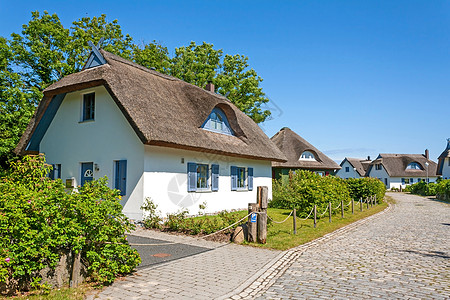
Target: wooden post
{"points": [[353, 206], [329, 211], [371, 201], [376, 199], [262, 227], [342, 209], [263, 195], [315, 216], [76, 270], [252, 226], [360, 203], [367, 201], [295, 221]]}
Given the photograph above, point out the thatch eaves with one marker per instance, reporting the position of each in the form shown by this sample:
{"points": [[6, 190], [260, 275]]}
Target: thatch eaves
{"points": [[442, 157], [396, 164], [292, 145], [164, 110]]}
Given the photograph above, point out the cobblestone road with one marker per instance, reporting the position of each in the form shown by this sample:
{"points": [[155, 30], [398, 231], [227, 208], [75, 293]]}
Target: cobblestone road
{"points": [[402, 254]]}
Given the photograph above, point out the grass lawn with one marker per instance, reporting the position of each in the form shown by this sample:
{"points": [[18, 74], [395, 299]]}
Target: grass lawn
{"points": [[281, 237], [63, 293]]}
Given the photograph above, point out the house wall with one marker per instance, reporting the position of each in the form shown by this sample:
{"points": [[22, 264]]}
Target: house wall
{"points": [[165, 178], [396, 182], [446, 169], [382, 175], [351, 172], [110, 137]]}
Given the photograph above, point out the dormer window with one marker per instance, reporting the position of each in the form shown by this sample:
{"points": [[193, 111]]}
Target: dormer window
{"points": [[307, 155], [413, 166], [217, 122]]}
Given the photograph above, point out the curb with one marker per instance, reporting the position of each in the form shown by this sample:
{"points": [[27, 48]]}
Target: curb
{"points": [[266, 277]]}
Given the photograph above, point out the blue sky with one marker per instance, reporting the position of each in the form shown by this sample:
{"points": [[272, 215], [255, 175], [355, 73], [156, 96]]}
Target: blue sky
{"points": [[354, 78]]}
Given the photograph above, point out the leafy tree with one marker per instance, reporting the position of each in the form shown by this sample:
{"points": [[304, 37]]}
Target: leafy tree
{"points": [[45, 51]]}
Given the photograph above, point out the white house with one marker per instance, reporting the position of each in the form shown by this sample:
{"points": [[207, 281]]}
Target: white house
{"points": [[444, 162], [153, 136], [353, 167], [400, 170]]}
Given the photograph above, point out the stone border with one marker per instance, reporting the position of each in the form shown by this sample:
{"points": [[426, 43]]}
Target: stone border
{"points": [[266, 277]]}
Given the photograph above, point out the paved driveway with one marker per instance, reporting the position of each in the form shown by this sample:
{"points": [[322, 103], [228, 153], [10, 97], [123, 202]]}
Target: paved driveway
{"points": [[402, 253]]}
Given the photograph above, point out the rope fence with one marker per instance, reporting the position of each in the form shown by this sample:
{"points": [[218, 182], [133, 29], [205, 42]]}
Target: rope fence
{"points": [[368, 200]]}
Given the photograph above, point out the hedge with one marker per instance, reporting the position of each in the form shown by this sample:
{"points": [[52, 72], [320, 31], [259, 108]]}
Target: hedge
{"points": [[366, 187]]}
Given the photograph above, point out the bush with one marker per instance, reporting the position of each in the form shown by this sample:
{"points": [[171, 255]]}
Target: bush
{"points": [[366, 187], [152, 219], [306, 189], [39, 220], [422, 188], [443, 189]]}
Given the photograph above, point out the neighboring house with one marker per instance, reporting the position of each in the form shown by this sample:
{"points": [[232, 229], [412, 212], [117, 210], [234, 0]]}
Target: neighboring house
{"points": [[444, 162], [153, 136], [400, 170], [301, 155], [353, 167]]}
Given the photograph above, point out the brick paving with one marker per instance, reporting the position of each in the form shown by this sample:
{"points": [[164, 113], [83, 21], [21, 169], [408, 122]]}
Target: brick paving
{"points": [[403, 254], [400, 253]]}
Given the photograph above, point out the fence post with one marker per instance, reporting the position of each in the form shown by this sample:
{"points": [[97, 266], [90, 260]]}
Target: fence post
{"points": [[371, 201], [367, 201], [252, 226], [315, 216], [353, 206], [329, 211], [375, 199], [342, 209], [295, 221], [262, 194], [360, 203]]}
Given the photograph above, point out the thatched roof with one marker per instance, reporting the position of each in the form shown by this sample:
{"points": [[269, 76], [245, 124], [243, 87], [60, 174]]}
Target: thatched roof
{"points": [[395, 165], [361, 165], [442, 157], [164, 110], [292, 145]]}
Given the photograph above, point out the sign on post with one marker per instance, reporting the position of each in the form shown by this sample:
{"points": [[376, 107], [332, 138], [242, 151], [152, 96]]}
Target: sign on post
{"points": [[253, 217]]}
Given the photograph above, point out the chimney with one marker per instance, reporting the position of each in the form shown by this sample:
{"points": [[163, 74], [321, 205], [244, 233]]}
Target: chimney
{"points": [[427, 154], [368, 157], [210, 87]]}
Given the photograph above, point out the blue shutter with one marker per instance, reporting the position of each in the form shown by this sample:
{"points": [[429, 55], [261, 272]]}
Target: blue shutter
{"points": [[192, 177], [214, 178], [59, 171], [233, 178], [121, 176], [250, 179]]}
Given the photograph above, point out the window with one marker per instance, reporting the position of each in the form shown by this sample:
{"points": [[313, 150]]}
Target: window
{"points": [[414, 166], [217, 122], [55, 173], [411, 180], [241, 178], [347, 169], [378, 167], [405, 180], [307, 155], [419, 179], [120, 176], [385, 181], [88, 107], [202, 177]]}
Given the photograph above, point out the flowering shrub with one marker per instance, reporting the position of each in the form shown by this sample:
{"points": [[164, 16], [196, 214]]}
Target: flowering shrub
{"points": [[39, 219]]}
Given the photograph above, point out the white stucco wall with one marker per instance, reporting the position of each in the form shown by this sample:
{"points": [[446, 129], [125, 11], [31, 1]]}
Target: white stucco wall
{"points": [[109, 138], [351, 172], [446, 169], [396, 182], [165, 180]]}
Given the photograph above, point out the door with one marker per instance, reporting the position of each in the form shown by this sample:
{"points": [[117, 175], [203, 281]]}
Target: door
{"points": [[87, 172]]}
